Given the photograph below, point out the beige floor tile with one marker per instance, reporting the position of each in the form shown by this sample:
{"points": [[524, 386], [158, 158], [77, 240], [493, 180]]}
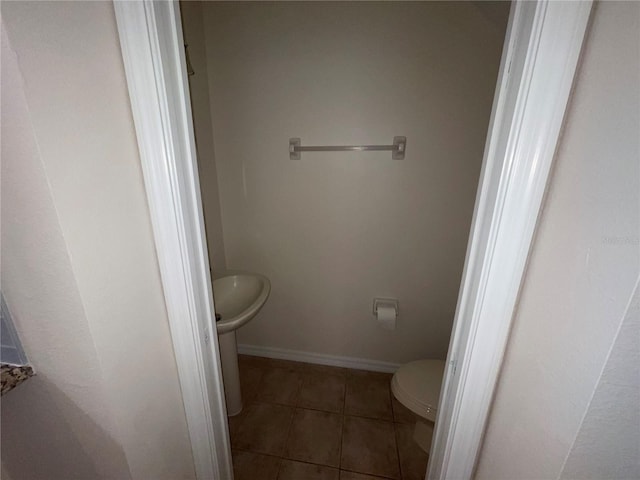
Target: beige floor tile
{"points": [[402, 414], [339, 371], [234, 425], [253, 466], [322, 391], [279, 385], [370, 374], [413, 460], [368, 396], [250, 378], [290, 470], [264, 429], [246, 361], [315, 437], [344, 475], [369, 446], [287, 364]]}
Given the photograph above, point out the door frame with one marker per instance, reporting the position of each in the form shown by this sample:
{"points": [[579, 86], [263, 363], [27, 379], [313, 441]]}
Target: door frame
{"points": [[539, 61], [154, 59]]}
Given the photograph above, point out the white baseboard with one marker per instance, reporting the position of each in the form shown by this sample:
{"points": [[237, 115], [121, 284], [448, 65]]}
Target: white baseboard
{"points": [[318, 358]]}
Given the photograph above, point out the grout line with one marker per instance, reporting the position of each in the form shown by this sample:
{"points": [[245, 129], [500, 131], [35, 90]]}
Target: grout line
{"points": [[300, 381], [286, 442], [344, 414], [395, 431], [279, 467], [390, 420], [395, 435], [355, 415], [369, 474], [308, 463], [283, 459], [257, 453], [340, 371], [339, 413], [370, 418], [332, 412]]}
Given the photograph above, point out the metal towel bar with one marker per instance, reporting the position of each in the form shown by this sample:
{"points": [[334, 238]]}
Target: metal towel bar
{"points": [[397, 149]]}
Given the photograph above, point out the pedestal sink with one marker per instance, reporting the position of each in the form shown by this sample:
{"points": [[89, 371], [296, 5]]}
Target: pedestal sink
{"points": [[237, 297]]}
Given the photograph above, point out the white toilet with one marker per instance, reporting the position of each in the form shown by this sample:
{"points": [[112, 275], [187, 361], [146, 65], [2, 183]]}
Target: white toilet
{"points": [[416, 385]]}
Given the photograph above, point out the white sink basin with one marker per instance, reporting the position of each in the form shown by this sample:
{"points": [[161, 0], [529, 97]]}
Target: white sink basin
{"points": [[238, 297]]}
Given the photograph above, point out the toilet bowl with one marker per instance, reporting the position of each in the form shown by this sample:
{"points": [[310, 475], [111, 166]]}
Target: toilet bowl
{"points": [[416, 385]]}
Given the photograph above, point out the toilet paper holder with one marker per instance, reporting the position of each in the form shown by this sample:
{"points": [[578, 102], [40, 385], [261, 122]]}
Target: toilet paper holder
{"points": [[385, 302]]}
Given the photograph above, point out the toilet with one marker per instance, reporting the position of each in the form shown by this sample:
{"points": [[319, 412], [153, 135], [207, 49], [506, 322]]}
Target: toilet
{"points": [[416, 385]]}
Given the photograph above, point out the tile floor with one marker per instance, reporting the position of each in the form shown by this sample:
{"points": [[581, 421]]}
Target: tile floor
{"points": [[310, 422]]}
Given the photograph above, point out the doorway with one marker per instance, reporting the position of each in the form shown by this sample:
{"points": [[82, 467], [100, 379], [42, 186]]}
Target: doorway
{"points": [[334, 230], [544, 87]]}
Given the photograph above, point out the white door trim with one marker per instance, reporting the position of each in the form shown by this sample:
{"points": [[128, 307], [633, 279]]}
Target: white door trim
{"points": [[152, 49], [540, 57]]}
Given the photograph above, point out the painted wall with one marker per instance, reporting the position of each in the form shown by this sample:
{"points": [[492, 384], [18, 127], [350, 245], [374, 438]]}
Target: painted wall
{"points": [[335, 230], [79, 270], [608, 442], [565, 374], [191, 13], [53, 414]]}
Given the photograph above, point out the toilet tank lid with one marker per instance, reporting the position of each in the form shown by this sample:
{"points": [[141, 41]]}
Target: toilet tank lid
{"points": [[417, 386]]}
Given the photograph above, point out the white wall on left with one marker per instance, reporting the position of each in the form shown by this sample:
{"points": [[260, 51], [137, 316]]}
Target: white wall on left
{"points": [[38, 280], [79, 270]]}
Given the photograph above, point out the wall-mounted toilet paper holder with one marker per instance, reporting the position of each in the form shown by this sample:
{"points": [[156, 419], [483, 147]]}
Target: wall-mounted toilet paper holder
{"points": [[386, 312], [385, 302]]}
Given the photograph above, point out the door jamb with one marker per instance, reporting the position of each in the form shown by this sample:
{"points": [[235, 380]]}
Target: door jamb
{"points": [[539, 60], [152, 49]]}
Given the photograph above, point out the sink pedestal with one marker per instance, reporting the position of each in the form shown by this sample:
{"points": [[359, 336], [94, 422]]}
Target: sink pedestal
{"points": [[230, 372]]}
